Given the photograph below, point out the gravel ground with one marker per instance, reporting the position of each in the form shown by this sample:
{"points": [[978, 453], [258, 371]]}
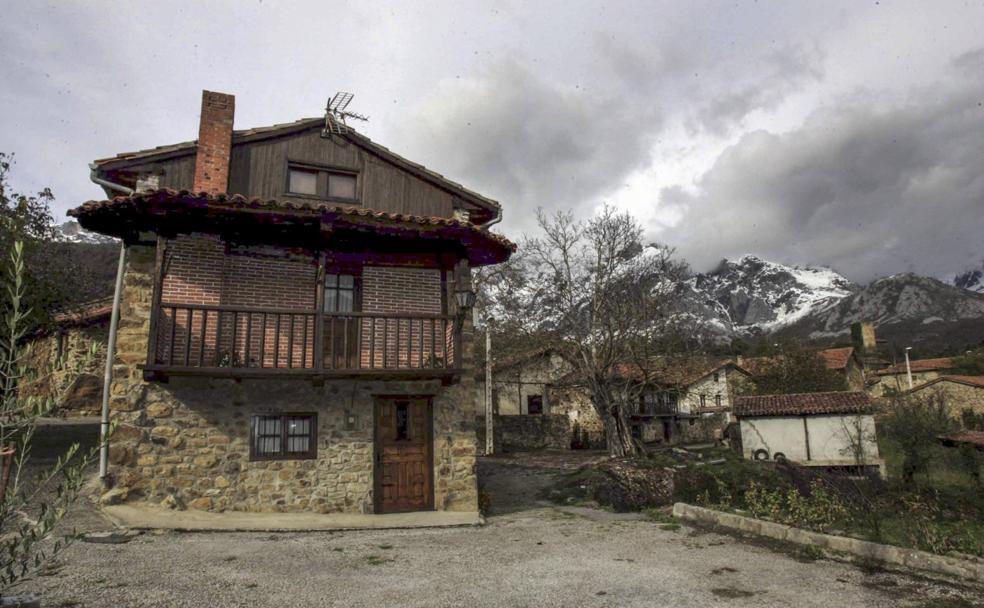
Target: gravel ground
{"points": [[529, 554]]}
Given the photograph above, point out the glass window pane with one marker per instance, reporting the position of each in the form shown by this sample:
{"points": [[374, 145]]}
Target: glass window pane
{"points": [[346, 280], [345, 301], [341, 186], [331, 280], [298, 445], [303, 182]]}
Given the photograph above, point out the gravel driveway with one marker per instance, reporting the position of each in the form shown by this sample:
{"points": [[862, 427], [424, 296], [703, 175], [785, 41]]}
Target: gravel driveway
{"points": [[529, 554]]}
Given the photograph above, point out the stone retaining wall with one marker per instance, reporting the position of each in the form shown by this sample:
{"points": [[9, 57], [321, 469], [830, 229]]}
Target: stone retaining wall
{"points": [[910, 558], [527, 432]]}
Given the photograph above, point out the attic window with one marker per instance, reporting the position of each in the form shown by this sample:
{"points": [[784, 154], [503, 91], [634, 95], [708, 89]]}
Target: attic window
{"points": [[320, 182], [303, 181]]}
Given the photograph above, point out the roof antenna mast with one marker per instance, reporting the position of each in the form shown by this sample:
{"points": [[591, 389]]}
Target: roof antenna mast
{"points": [[335, 114]]}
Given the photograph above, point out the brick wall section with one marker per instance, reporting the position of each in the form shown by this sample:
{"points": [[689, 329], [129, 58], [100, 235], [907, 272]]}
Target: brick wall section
{"points": [[200, 271], [214, 143], [388, 289]]}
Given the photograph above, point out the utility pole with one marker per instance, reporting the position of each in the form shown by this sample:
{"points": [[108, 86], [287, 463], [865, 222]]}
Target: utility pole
{"points": [[489, 437], [908, 368]]}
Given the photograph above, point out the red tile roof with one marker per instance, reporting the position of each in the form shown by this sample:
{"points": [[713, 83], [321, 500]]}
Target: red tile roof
{"points": [[802, 404], [105, 215], [85, 314], [837, 358], [918, 365], [833, 358], [974, 381], [974, 438]]}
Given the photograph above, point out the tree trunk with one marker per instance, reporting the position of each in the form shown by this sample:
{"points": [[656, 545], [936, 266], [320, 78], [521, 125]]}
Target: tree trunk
{"points": [[618, 435]]}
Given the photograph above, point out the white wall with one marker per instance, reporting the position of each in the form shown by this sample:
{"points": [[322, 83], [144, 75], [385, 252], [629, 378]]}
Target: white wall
{"points": [[830, 437]]}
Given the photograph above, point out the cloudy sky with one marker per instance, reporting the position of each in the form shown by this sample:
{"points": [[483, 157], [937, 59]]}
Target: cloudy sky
{"points": [[849, 134]]}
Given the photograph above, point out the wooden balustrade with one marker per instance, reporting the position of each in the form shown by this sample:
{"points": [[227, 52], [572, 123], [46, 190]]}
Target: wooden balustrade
{"points": [[238, 340]]}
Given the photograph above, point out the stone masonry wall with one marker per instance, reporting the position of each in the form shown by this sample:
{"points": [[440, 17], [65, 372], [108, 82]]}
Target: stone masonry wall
{"points": [[523, 433], [75, 383], [190, 437]]}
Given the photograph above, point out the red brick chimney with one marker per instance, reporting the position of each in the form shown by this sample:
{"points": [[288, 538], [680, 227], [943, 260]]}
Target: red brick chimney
{"points": [[214, 143]]}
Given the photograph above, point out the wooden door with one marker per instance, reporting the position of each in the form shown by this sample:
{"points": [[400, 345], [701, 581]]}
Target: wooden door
{"points": [[404, 461]]}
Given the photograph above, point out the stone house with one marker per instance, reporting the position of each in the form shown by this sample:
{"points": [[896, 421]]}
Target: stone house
{"points": [[71, 353], [894, 378], [845, 360], [295, 330], [961, 393], [521, 383], [831, 430], [689, 403]]}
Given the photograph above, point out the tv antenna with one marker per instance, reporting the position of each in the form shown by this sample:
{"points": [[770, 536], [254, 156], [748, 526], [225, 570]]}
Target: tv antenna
{"points": [[335, 114]]}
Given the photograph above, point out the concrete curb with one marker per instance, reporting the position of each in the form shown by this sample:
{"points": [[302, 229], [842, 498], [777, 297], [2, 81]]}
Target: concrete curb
{"points": [[147, 517], [910, 558]]}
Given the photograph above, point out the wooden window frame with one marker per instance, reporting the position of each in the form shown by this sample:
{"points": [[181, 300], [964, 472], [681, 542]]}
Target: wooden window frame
{"points": [[703, 400], [356, 274], [312, 452], [324, 173]]}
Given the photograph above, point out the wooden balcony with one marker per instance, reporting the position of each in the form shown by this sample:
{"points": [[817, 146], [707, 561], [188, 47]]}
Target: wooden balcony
{"points": [[248, 342]]}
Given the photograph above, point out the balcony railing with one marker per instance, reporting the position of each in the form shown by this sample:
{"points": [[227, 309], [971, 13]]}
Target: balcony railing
{"points": [[240, 341]]}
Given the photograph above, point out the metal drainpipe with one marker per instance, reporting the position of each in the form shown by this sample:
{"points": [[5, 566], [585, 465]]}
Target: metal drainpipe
{"points": [[495, 220], [111, 344]]}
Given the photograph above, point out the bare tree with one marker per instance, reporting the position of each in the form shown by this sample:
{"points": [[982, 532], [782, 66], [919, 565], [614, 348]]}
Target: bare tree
{"points": [[598, 291]]}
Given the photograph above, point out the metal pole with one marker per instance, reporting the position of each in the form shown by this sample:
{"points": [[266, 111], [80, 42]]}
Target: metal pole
{"points": [[489, 438], [908, 369], [108, 373]]}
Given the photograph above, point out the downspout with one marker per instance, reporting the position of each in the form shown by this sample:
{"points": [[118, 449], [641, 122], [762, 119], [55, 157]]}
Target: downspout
{"points": [[495, 220], [109, 186]]}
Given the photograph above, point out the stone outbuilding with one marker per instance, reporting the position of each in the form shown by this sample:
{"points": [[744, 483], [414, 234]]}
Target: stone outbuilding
{"points": [[960, 393], [71, 353]]}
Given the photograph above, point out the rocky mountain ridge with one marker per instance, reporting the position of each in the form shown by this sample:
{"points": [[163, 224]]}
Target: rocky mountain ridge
{"points": [[752, 297]]}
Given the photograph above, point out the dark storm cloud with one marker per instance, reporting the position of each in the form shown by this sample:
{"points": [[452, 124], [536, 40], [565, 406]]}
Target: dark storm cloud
{"points": [[865, 190], [535, 142], [765, 85]]}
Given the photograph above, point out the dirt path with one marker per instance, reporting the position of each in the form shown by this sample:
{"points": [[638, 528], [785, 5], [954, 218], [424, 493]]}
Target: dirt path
{"points": [[529, 554]]}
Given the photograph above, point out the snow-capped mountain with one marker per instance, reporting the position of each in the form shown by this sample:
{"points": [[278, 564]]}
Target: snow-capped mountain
{"points": [[752, 295], [71, 232], [972, 279]]}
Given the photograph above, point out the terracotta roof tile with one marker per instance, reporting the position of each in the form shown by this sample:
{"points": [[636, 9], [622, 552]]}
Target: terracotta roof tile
{"points": [[974, 381], [800, 404], [133, 203], [918, 365], [837, 358], [975, 438]]}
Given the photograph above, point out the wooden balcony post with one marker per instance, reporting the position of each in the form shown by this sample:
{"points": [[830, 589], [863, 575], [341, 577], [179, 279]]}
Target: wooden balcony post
{"points": [[319, 316], [155, 307]]}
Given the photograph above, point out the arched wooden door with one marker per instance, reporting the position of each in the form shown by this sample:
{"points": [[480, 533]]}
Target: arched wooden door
{"points": [[404, 455]]}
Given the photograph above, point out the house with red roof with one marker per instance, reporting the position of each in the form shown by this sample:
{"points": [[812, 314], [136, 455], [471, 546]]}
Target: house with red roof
{"points": [[830, 429], [295, 327], [895, 378], [959, 393]]}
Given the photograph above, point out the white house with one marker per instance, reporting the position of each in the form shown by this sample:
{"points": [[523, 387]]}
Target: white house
{"points": [[833, 429]]}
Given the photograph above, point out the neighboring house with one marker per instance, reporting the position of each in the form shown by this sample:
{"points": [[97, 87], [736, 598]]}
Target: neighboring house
{"points": [[844, 360], [970, 439], [847, 362], [70, 354], [960, 393], [688, 403], [521, 383], [295, 329], [895, 377], [832, 429]]}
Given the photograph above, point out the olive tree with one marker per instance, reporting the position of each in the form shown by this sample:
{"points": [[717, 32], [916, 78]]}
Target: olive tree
{"points": [[33, 500]]}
